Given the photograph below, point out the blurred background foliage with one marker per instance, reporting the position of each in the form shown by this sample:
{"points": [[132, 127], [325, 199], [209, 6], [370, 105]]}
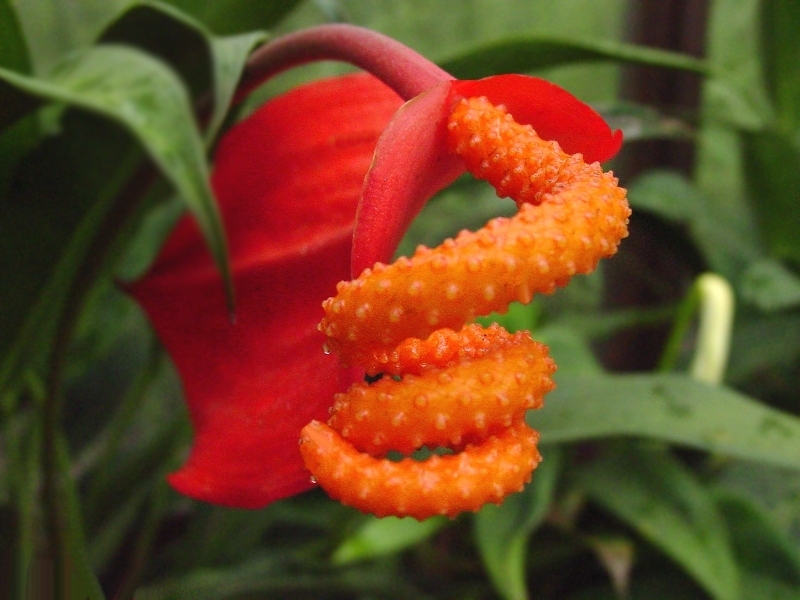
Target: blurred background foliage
{"points": [[670, 471]]}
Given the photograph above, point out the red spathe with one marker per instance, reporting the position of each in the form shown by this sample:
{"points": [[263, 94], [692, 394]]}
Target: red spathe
{"points": [[288, 180]]}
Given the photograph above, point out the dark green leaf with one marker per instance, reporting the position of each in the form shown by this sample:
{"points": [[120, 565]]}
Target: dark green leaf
{"points": [[663, 501], [759, 587], [278, 576], [141, 94], [774, 491], [15, 142], [230, 55], [770, 286], [77, 580], [672, 408], [14, 57], [60, 196], [736, 94], [144, 96], [54, 28], [602, 325], [761, 547], [169, 35], [21, 136], [237, 16], [530, 53], [204, 61], [502, 532], [761, 345], [659, 583], [13, 50], [569, 349], [780, 22], [667, 194], [772, 169]]}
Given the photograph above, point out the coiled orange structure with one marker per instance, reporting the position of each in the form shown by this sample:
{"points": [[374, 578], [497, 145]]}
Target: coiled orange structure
{"points": [[466, 388]]}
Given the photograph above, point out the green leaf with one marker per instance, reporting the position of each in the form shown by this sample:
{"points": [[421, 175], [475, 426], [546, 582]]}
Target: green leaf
{"points": [[165, 33], [13, 56], [18, 138], [769, 558], [379, 537], [13, 50], [569, 349], [280, 576], [774, 491], [236, 16], [759, 587], [667, 194], [54, 28], [734, 98], [144, 96], [204, 61], [736, 93], [772, 170], [770, 286], [74, 576], [437, 31], [598, 325], [672, 408], [663, 501], [761, 346], [230, 55], [61, 194], [761, 547], [502, 532], [517, 55], [780, 45]]}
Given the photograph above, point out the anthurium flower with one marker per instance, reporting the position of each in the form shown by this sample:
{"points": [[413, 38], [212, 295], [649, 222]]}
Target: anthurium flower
{"points": [[315, 187]]}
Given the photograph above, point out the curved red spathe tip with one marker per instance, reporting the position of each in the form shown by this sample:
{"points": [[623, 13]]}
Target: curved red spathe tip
{"points": [[553, 112]]}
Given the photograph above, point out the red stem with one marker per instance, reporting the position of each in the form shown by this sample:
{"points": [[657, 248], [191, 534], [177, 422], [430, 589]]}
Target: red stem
{"points": [[399, 67]]}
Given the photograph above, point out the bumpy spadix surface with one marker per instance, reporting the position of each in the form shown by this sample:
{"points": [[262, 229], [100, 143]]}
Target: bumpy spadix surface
{"points": [[467, 389]]}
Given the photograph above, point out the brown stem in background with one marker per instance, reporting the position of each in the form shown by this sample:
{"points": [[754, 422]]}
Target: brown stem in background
{"points": [[653, 267]]}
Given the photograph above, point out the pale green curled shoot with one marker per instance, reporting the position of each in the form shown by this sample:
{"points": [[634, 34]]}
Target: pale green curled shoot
{"points": [[715, 312]]}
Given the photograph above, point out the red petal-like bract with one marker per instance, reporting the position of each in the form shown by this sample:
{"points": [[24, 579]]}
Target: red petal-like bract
{"points": [[412, 163], [553, 112], [287, 180]]}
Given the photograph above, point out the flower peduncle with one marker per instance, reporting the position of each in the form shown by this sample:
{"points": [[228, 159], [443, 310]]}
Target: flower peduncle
{"points": [[406, 72]]}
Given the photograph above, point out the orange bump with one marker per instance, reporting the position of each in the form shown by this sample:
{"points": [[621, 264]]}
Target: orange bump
{"points": [[441, 485], [502, 383]]}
